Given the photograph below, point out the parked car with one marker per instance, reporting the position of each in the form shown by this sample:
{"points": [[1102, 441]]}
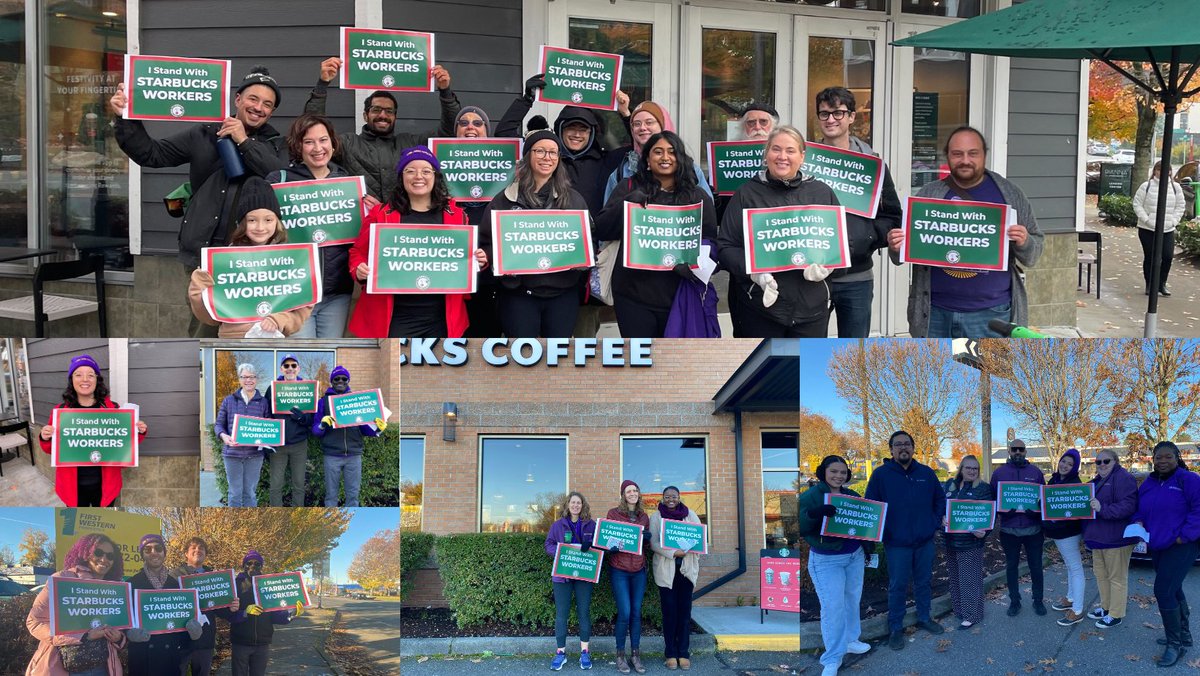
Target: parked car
{"points": [[1124, 156], [1092, 178], [1095, 148]]}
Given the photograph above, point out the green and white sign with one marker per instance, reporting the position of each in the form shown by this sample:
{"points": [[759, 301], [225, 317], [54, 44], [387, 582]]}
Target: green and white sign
{"points": [[620, 534], [356, 408], [176, 88], [856, 518], [422, 258], [1012, 495], [215, 589], [732, 163], [289, 394], [965, 516], [793, 238], [689, 537], [166, 611], [956, 234], [90, 437], [570, 561], [325, 211], [578, 78], [856, 178], [78, 606], [538, 241], [377, 58], [659, 236], [280, 591], [1067, 502], [251, 431], [477, 169], [254, 282]]}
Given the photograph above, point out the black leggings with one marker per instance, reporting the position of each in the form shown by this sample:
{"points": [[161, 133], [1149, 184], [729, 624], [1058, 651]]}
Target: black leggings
{"points": [[636, 320], [527, 316], [1171, 565], [562, 609], [1146, 237]]}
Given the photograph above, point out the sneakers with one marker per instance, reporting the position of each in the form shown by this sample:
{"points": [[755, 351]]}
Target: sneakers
{"points": [[1069, 619], [1108, 621], [1039, 607], [896, 640], [1097, 614], [932, 627], [560, 658], [857, 647], [1062, 605], [585, 660]]}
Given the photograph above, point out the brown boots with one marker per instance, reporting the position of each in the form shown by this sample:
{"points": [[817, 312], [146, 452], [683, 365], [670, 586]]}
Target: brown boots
{"points": [[636, 660], [622, 665]]}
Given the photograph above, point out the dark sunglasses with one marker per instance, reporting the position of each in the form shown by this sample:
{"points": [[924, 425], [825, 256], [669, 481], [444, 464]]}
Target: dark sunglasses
{"points": [[340, 379], [1105, 461], [104, 554], [291, 366], [470, 123], [253, 564], [1017, 449]]}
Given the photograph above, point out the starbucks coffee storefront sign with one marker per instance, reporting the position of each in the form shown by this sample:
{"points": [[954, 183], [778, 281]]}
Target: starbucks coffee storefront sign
{"points": [[528, 351]]}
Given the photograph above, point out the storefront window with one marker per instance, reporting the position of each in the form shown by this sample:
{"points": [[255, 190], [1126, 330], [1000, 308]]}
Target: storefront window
{"points": [[412, 482], [522, 482], [781, 488], [737, 69], [634, 41], [962, 9], [657, 462], [875, 5], [14, 164], [314, 365], [941, 83], [842, 62]]}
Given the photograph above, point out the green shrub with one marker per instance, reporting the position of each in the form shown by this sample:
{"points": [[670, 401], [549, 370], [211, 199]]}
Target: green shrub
{"points": [[505, 577], [19, 644], [415, 549], [1187, 236], [1118, 209], [380, 472]]}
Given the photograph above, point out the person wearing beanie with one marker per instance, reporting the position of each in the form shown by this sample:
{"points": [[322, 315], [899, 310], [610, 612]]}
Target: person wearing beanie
{"points": [[209, 217], [421, 197], [629, 577], [372, 153], [648, 119], [544, 305], [297, 427], [161, 653], [483, 315], [471, 122], [251, 628], [342, 446], [1021, 528], [1067, 536], [243, 464], [86, 486], [259, 224]]}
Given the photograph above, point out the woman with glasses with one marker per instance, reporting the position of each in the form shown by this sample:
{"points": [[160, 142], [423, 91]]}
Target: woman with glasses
{"points": [[545, 305], [421, 197], [243, 464], [1114, 499], [293, 455], [484, 316], [648, 119], [964, 551], [95, 652], [86, 486]]}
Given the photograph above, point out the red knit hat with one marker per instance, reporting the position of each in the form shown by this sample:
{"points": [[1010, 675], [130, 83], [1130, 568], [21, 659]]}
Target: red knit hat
{"points": [[627, 483]]}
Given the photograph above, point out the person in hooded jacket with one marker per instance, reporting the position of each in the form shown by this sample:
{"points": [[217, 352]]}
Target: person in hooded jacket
{"points": [[343, 446], [251, 629], [293, 454], [1066, 535], [198, 654], [1114, 500], [964, 551], [644, 299], [648, 119], [790, 304], [152, 655], [1021, 528]]}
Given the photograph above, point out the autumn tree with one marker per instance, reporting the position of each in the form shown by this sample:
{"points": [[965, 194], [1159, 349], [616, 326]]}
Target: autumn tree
{"points": [[376, 564], [961, 448], [1156, 384], [819, 438], [36, 549], [7, 557]]}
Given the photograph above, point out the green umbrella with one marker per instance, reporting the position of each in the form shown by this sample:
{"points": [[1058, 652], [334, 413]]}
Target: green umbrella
{"points": [[1161, 32]]}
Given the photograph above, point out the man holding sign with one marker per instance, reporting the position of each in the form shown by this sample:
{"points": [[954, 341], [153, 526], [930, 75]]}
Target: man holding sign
{"points": [[1020, 527], [199, 652], [158, 647], [251, 629], [290, 402], [342, 446], [948, 302]]}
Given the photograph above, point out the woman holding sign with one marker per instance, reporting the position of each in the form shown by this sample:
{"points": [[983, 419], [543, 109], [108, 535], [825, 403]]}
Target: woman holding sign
{"points": [[86, 486], [1115, 499], [793, 303], [629, 577], [835, 566], [964, 551], [243, 464], [96, 652], [1066, 535], [645, 299], [675, 573], [574, 527]]}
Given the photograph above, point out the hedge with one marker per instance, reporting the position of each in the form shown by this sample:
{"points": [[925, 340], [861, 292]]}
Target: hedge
{"points": [[1187, 236], [19, 644], [1118, 209], [505, 577], [415, 549], [380, 472]]}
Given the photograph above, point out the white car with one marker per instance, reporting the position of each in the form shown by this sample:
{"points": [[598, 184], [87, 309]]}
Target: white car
{"points": [[1124, 156]]}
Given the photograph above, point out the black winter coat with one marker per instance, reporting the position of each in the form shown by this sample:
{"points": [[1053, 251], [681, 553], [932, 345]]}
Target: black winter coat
{"points": [[163, 652], [549, 285], [252, 629], [963, 541]]}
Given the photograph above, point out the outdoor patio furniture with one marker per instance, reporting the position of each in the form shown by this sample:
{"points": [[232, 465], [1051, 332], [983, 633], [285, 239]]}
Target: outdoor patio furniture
{"points": [[41, 307], [1088, 259], [11, 441]]}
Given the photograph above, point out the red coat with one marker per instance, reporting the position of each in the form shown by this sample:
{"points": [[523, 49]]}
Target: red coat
{"points": [[372, 314], [66, 479]]}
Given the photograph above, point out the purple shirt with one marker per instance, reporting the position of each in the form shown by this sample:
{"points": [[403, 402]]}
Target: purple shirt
{"points": [[968, 290]]}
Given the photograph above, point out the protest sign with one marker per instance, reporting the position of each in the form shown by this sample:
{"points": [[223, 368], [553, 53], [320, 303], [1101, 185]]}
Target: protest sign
{"points": [[91, 437], [251, 431], [324, 211], [1012, 495], [215, 589], [732, 163], [176, 88], [690, 537], [659, 236], [793, 238], [620, 534], [570, 561], [356, 408], [78, 606], [422, 258], [289, 394], [477, 169], [538, 241], [856, 178], [856, 518], [393, 60], [579, 78], [1067, 502], [251, 283], [965, 516], [956, 234], [165, 611], [280, 591]]}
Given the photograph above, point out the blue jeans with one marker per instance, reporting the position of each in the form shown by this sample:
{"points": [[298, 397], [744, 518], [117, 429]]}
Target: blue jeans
{"points": [[950, 324], [242, 474], [328, 318], [562, 609], [337, 468], [838, 580], [628, 590], [904, 565], [852, 305]]}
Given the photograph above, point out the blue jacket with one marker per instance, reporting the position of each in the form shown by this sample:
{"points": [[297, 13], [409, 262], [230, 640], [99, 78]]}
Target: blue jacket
{"points": [[296, 426], [916, 502], [1170, 509], [343, 440], [233, 405]]}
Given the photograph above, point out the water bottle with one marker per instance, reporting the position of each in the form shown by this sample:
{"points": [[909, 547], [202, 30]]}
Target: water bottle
{"points": [[230, 158]]}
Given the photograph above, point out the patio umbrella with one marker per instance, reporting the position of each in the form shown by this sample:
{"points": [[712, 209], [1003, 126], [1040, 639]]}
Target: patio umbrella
{"points": [[1161, 32]]}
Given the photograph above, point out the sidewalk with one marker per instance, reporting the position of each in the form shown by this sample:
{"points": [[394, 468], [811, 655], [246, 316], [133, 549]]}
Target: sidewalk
{"points": [[294, 647], [25, 486], [726, 664]]}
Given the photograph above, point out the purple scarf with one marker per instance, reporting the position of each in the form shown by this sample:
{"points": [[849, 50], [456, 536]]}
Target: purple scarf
{"points": [[678, 514]]}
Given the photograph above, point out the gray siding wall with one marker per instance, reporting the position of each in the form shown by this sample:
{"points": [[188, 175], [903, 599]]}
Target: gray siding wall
{"points": [[1043, 127], [48, 362], [289, 37], [164, 379]]}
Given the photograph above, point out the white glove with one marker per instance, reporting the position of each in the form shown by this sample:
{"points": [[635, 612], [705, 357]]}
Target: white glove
{"points": [[769, 286], [816, 273], [194, 629]]}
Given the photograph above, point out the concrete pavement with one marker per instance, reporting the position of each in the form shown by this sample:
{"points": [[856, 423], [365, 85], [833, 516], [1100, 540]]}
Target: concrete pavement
{"points": [[724, 663], [294, 646], [374, 625]]}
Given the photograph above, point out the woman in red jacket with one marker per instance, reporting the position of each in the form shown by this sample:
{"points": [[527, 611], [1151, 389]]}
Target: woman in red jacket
{"points": [[629, 577], [421, 197], [86, 486]]}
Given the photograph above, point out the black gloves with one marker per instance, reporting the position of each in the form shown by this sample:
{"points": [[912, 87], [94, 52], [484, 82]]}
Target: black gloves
{"points": [[297, 415], [536, 82], [869, 549], [614, 550], [637, 197], [585, 546], [684, 270], [822, 510]]}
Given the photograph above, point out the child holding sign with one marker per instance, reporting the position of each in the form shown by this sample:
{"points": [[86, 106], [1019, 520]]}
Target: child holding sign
{"points": [[86, 486]]}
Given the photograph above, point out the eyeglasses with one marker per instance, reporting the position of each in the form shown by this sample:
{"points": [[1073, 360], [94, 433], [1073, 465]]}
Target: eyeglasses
{"points": [[839, 114], [248, 377], [542, 153], [104, 554], [413, 173], [470, 123], [379, 110], [1017, 449], [644, 124], [1104, 461], [902, 444], [291, 366], [340, 379]]}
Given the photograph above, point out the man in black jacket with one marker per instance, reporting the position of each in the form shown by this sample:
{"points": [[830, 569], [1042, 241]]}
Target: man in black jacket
{"points": [[160, 653], [198, 653], [252, 629]]}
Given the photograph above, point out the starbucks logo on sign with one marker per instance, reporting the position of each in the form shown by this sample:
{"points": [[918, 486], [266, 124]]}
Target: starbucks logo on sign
{"points": [[171, 624], [476, 191], [1067, 513], [576, 97], [211, 603], [176, 110], [423, 282], [283, 603], [798, 258], [852, 531], [543, 263], [319, 236], [96, 624], [952, 256], [95, 456], [668, 260], [785, 552], [388, 80], [263, 309]]}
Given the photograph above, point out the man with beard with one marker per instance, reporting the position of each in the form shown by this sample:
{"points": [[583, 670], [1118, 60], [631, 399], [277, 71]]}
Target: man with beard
{"points": [[949, 303], [342, 446], [160, 653], [757, 121], [916, 505], [1021, 528]]}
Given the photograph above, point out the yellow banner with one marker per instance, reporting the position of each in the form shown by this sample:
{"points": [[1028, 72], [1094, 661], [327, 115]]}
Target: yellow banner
{"points": [[124, 528]]}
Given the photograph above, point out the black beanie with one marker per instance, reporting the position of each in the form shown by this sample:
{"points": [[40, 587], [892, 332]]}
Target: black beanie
{"points": [[256, 193], [260, 75], [534, 136]]}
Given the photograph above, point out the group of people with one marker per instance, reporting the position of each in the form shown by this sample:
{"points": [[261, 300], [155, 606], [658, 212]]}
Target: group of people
{"points": [[674, 572], [567, 166], [342, 447], [1166, 504], [96, 652]]}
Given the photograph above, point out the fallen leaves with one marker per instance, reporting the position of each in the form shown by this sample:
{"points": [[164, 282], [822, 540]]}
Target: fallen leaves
{"points": [[1150, 625], [1134, 658], [943, 645]]}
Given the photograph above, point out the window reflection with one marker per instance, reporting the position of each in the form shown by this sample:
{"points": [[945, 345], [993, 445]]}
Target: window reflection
{"points": [[941, 84], [522, 482], [842, 62], [781, 488], [412, 482], [14, 164], [314, 365], [657, 462], [962, 9], [634, 41], [737, 69]]}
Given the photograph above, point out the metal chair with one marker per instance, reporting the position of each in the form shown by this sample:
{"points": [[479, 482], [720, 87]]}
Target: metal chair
{"points": [[41, 308], [1089, 259], [11, 439]]}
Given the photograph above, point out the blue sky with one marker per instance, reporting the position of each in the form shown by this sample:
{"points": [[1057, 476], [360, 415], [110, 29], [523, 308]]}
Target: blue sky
{"points": [[14, 521]]}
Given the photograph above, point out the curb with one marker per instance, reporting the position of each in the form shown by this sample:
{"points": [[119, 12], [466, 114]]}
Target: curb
{"points": [[761, 642], [320, 647], [701, 644]]}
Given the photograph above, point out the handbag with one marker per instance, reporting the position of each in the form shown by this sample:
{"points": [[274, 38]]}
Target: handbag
{"points": [[84, 656], [601, 275]]}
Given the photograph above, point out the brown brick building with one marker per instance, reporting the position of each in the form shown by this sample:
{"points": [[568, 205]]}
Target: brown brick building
{"points": [[662, 412]]}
